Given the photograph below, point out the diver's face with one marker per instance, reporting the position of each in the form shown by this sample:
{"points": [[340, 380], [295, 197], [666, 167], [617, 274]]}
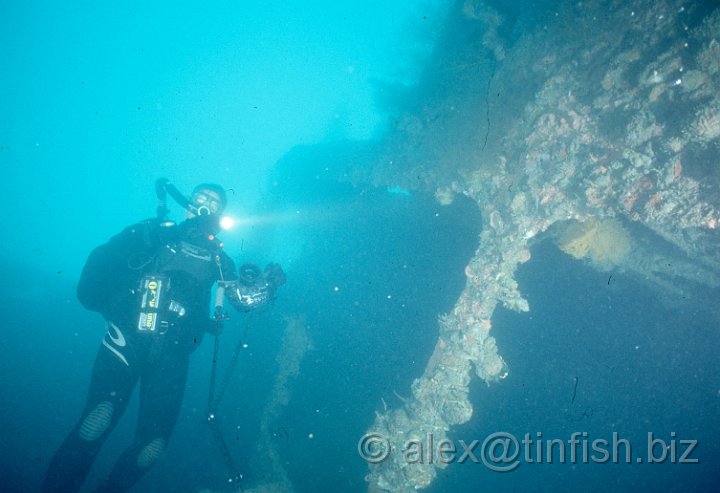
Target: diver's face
{"points": [[205, 202]]}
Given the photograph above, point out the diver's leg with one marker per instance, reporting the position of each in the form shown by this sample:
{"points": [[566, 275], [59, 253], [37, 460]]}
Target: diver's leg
{"points": [[161, 393], [111, 386]]}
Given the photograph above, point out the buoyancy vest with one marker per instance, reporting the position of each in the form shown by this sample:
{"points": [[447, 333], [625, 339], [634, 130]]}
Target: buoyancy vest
{"points": [[115, 275]]}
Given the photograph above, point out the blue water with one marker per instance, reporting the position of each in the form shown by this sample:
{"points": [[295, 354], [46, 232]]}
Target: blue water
{"points": [[100, 101]]}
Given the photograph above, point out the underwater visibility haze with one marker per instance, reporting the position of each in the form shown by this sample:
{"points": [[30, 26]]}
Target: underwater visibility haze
{"points": [[498, 224]]}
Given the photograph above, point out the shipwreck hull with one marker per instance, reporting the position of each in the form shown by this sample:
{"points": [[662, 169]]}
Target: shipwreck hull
{"points": [[610, 112]]}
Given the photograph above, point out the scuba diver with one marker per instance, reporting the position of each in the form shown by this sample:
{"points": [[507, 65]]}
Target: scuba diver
{"points": [[153, 283]]}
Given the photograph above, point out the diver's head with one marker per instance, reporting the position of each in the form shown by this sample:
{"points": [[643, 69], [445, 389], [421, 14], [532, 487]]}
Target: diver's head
{"points": [[204, 211], [207, 199]]}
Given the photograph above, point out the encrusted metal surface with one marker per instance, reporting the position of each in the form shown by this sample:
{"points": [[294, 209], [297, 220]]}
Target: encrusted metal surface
{"points": [[619, 117]]}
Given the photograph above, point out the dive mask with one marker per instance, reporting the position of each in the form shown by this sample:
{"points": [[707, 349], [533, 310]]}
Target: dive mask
{"points": [[203, 203]]}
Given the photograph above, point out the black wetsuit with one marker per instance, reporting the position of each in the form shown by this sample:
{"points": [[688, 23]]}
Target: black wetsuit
{"points": [[189, 263]]}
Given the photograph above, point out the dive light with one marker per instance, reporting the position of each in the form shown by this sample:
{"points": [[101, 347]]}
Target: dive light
{"points": [[227, 222]]}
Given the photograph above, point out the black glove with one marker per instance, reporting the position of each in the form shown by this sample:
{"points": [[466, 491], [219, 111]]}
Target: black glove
{"points": [[274, 276]]}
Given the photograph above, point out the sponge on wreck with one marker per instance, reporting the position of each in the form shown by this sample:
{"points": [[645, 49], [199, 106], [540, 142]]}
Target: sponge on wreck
{"points": [[602, 241]]}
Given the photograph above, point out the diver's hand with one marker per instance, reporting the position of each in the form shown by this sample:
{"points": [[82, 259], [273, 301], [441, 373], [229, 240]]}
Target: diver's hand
{"points": [[248, 297], [274, 276]]}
